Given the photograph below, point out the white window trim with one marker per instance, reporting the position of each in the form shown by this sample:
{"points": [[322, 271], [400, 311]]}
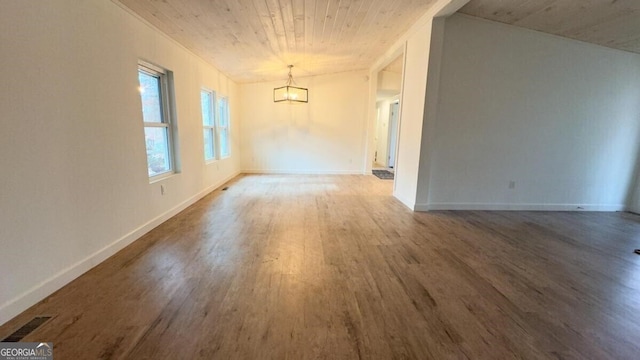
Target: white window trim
{"points": [[213, 128], [168, 117]]}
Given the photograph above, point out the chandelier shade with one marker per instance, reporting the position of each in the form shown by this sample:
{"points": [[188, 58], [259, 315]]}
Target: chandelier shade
{"points": [[290, 93]]}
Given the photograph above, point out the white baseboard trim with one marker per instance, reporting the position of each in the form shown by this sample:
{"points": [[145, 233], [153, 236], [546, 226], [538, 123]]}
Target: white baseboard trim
{"points": [[22, 302], [302, 172], [520, 207], [633, 210], [406, 202]]}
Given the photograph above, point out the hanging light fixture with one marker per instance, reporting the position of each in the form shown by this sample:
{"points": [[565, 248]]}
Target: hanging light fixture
{"points": [[290, 93]]}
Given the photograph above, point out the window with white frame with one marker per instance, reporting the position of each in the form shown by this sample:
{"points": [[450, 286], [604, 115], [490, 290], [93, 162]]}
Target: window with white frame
{"points": [[207, 102], [156, 96], [223, 127]]}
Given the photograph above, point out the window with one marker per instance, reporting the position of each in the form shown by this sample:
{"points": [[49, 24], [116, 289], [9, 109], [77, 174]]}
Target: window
{"points": [[223, 127], [155, 93], [215, 125], [207, 101]]}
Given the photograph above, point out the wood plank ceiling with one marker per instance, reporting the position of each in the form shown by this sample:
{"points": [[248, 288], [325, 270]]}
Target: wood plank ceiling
{"points": [[255, 40], [611, 23]]}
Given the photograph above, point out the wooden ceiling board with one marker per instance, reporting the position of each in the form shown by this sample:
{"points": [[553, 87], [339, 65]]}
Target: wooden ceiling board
{"points": [[255, 40], [610, 23]]}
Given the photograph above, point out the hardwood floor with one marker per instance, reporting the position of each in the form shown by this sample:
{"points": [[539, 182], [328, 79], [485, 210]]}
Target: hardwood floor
{"points": [[333, 267]]}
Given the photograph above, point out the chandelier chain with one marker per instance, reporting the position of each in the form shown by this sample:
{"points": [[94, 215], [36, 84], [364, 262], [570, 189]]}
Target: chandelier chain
{"points": [[290, 81]]}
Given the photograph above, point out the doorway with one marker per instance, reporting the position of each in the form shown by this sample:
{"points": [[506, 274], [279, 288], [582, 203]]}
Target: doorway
{"points": [[387, 119]]}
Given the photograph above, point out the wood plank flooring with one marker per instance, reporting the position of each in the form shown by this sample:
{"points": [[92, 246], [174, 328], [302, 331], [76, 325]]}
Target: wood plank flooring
{"points": [[333, 267]]}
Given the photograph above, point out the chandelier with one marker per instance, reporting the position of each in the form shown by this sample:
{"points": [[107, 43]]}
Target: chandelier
{"points": [[289, 92]]}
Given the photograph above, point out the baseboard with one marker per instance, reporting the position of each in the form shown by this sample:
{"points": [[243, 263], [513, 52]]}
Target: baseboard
{"points": [[404, 201], [302, 172], [520, 207], [32, 296], [633, 210]]}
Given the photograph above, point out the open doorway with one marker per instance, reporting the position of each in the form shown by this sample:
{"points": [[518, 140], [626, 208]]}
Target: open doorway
{"points": [[387, 120]]}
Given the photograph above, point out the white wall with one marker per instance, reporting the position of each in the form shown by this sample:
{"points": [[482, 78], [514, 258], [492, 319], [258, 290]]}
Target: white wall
{"points": [[382, 132], [416, 45], [412, 107], [389, 82], [428, 140], [326, 135], [74, 186], [558, 117]]}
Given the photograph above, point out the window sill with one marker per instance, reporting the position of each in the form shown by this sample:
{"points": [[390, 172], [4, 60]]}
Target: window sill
{"points": [[162, 177]]}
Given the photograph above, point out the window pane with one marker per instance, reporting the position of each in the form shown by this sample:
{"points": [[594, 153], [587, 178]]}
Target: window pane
{"points": [[157, 140], [224, 142], [209, 153], [206, 99], [223, 112], [150, 95]]}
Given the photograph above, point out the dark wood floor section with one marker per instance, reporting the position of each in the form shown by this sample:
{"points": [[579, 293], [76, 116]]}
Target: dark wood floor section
{"points": [[333, 267]]}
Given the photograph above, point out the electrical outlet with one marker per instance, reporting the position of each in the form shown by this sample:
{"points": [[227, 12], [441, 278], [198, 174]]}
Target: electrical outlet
{"points": [[512, 184], [161, 189]]}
